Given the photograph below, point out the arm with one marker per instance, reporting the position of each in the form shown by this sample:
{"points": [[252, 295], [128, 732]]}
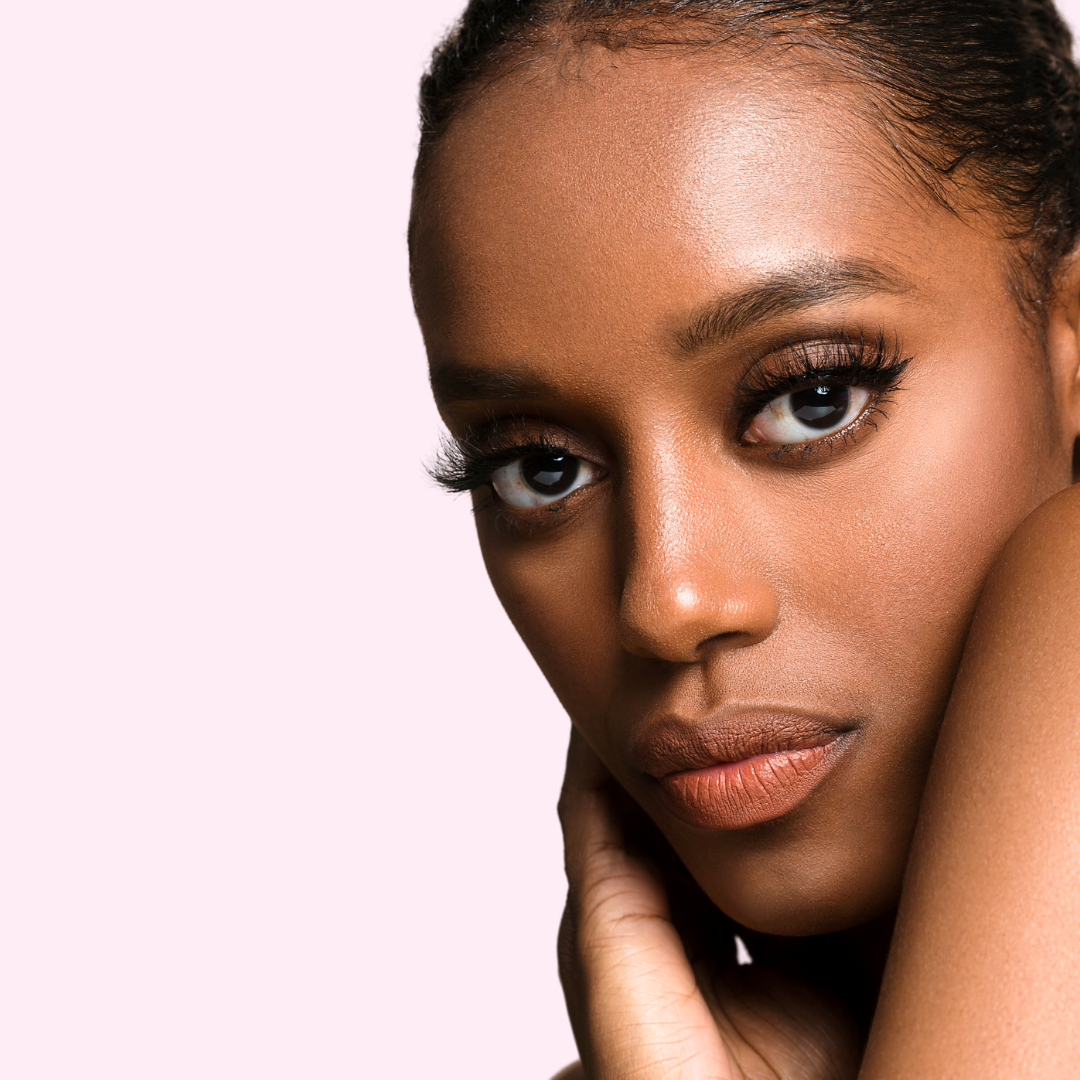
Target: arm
{"points": [[984, 977]]}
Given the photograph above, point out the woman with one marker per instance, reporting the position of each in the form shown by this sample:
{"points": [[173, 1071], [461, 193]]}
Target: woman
{"points": [[755, 325]]}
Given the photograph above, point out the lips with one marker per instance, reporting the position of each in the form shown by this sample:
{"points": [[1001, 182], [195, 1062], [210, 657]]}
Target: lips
{"points": [[735, 771]]}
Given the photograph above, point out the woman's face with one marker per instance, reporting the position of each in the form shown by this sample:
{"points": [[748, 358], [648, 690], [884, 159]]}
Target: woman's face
{"points": [[779, 413]]}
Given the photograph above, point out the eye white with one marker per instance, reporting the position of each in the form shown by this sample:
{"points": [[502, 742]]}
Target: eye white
{"points": [[541, 479], [806, 415]]}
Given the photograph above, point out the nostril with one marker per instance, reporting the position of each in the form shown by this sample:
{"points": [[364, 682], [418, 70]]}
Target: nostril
{"points": [[727, 639]]}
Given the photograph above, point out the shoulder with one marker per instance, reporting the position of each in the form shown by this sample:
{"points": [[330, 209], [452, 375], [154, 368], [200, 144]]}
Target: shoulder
{"points": [[1050, 532], [1041, 561], [1026, 630]]}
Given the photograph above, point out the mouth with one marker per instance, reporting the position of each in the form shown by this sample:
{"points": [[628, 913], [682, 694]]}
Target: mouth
{"points": [[742, 770]]}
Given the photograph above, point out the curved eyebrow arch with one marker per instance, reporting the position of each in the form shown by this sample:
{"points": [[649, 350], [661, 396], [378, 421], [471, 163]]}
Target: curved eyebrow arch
{"points": [[452, 382], [790, 290]]}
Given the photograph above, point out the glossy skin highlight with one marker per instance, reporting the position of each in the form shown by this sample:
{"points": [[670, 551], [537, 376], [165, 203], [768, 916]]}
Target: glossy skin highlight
{"points": [[575, 228]]}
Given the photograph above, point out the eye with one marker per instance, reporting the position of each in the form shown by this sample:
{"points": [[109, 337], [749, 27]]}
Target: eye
{"points": [[808, 414], [541, 479]]}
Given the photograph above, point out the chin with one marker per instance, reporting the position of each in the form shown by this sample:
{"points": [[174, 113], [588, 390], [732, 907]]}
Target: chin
{"points": [[799, 893], [794, 916]]}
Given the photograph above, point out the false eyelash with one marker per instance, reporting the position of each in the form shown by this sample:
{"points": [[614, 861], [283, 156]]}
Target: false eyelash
{"points": [[466, 463], [877, 364]]}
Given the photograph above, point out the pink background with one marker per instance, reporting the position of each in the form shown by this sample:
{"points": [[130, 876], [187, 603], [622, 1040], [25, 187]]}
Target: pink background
{"points": [[277, 781]]}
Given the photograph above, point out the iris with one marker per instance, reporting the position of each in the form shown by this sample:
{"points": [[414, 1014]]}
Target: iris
{"points": [[820, 406], [550, 474]]}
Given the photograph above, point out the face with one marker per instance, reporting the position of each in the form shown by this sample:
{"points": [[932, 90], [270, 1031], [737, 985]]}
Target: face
{"points": [[747, 418]]}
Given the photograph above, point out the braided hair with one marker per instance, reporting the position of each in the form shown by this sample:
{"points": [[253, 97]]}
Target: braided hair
{"points": [[974, 96]]}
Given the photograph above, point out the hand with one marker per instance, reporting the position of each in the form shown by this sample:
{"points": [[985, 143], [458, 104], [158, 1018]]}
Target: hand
{"points": [[638, 1006]]}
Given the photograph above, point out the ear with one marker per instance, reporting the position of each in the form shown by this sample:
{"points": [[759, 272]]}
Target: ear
{"points": [[1063, 354]]}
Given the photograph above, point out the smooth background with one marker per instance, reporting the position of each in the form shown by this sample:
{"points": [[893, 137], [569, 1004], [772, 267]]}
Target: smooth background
{"points": [[277, 781]]}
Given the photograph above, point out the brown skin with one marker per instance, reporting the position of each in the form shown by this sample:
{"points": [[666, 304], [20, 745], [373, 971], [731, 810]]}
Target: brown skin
{"points": [[576, 220], [982, 981]]}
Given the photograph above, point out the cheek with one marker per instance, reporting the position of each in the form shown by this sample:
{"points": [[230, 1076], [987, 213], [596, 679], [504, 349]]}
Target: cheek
{"points": [[559, 592], [878, 562], [964, 471], [917, 522]]}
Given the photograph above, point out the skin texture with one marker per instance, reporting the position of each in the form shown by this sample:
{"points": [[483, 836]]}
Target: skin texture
{"points": [[579, 219], [987, 937]]}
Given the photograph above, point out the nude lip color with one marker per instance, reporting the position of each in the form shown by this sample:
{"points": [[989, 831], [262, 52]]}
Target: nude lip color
{"points": [[739, 770]]}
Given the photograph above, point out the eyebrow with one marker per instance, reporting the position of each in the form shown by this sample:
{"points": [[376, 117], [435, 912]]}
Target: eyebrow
{"points": [[458, 382], [791, 290]]}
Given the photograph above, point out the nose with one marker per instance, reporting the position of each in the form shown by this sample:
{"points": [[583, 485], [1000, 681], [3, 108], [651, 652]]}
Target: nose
{"points": [[693, 578]]}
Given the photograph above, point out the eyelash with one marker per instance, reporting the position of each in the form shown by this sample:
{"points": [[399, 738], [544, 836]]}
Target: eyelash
{"points": [[467, 463], [464, 464], [877, 365]]}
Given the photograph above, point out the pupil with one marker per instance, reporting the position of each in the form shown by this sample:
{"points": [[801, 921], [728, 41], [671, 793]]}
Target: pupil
{"points": [[550, 474], [820, 406]]}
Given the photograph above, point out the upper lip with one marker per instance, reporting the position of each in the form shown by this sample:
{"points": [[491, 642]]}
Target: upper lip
{"points": [[673, 744]]}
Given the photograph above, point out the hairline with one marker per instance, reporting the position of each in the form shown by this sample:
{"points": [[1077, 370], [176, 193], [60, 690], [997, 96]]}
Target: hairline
{"points": [[834, 57]]}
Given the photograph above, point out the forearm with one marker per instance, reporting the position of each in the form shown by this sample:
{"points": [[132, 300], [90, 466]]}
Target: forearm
{"points": [[984, 977]]}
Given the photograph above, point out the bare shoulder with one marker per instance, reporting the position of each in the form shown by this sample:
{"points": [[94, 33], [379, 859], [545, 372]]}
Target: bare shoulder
{"points": [[1027, 626], [1041, 562], [1049, 536]]}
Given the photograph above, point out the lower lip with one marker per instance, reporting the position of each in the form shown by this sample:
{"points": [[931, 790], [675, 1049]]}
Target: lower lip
{"points": [[738, 794]]}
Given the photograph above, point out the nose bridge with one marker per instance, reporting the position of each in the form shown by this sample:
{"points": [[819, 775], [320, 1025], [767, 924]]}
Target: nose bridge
{"points": [[692, 574]]}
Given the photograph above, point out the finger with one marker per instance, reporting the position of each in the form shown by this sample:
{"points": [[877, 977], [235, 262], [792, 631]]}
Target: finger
{"points": [[571, 1072], [597, 861], [634, 1001], [608, 834]]}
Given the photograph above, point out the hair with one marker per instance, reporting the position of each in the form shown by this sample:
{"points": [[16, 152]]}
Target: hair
{"points": [[975, 96]]}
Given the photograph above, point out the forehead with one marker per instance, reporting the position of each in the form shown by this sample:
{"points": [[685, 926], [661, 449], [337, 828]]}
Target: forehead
{"points": [[609, 189], [632, 137]]}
